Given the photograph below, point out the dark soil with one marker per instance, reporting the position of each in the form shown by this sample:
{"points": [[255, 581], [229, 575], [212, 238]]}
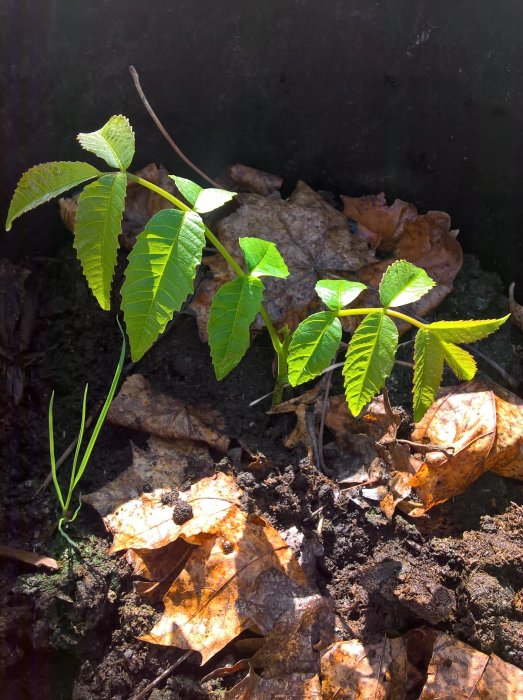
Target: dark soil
{"points": [[73, 633]]}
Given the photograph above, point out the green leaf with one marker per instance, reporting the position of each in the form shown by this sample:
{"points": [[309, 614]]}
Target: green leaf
{"points": [[43, 182], [114, 142], [97, 225], [428, 371], [370, 357], [403, 283], [313, 346], [202, 200], [459, 360], [160, 275], [338, 293], [263, 258], [233, 309], [466, 331]]}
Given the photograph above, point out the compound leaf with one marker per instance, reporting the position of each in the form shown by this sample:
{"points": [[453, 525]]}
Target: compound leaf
{"points": [[233, 309], [459, 360], [336, 294], [313, 346], [114, 142], [97, 225], [43, 182], [202, 200], [263, 258], [466, 331], [403, 283], [428, 371], [369, 361], [160, 275]]}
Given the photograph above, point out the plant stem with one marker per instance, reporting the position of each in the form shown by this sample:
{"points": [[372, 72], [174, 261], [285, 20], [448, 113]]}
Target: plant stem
{"points": [[281, 379], [388, 312]]}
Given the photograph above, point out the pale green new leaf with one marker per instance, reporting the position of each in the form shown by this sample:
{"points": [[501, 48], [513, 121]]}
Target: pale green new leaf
{"points": [[160, 275], [114, 142], [263, 258], [403, 283], [428, 371], [459, 360], [336, 294], [466, 331], [97, 225], [369, 361], [313, 346], [233, 309], [43, 182], [202, 200]]}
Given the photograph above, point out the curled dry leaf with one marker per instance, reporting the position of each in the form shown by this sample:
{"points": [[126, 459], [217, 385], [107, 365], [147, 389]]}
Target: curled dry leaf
{"points": [[250, 179], [484, 426], [353, 670], [139, 407], [314, 239], [31, 558]]}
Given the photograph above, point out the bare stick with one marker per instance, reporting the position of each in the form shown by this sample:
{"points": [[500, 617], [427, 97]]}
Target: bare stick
{"points": [[143, 693], [426, 447], [163, 130]]}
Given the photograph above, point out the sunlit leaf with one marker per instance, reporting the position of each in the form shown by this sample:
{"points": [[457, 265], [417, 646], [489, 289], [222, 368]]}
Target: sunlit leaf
{"points": [[370, 357], [336, 294], [313, 346], [459, 360], [43, 182], [160, 275], [114, 142], [202, 200], [263, 258], [233, 309], [428, 371], [466, 331], [97, 225], [403, 283]]}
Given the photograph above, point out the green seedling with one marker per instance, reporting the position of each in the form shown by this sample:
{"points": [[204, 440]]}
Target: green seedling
{"points": [[162, 266], [78, 467]]}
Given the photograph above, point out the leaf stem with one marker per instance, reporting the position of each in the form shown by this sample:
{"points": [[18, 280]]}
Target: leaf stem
{"points": [[388, 312]]}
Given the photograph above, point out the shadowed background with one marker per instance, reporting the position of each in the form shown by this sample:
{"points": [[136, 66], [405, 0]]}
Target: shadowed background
{"points": [[420, 99]]}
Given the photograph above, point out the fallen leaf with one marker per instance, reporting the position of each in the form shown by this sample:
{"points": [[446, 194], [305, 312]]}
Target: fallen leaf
{"points": [[351, 670], [139, 407], [204, 607], [31, 558], [163, 465], [250, 179], [297, 685], [457, 670], [483, 425], [313, 238]]}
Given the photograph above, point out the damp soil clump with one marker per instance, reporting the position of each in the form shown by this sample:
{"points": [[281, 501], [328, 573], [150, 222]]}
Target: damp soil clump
{"points": [[74, 633]]}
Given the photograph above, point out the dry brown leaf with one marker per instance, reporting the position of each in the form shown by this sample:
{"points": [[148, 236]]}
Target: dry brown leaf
{"points": [[297, 686], [457, 670], [31, 558], [483, 423], [162, 466], [250, 179], [139, 407], [381, 225], [352, 670], [314, 239], [147, 522], [204, 608]]}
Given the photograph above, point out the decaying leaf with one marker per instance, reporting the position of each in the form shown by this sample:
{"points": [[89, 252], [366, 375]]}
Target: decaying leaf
{"points": [[375, 671], [297, 685], [250, 179], [139, 407], [483, 425], [163, 465], [32, 558], [459, 671], [313, 238]]}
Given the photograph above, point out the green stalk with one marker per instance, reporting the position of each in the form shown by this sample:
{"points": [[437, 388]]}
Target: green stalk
{"points": [[388, 312]]}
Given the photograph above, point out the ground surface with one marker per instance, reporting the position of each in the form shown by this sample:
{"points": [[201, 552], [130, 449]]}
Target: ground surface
{"points": [[72, 634]]}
